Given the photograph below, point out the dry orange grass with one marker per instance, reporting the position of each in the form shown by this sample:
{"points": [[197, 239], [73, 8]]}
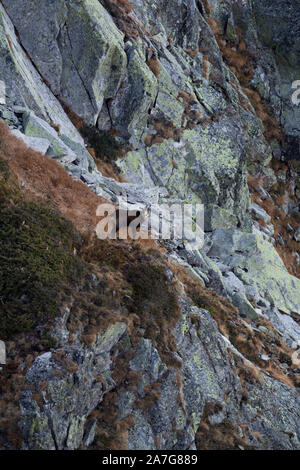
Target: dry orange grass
{"points": [[165, 129], [242, 63], [153, 65], [214, 25], [118, 266], [280, 194], [271, 126], [46, 178], [106, 168], [121, 12], [192, 52], [223, 436], [206, 6]]}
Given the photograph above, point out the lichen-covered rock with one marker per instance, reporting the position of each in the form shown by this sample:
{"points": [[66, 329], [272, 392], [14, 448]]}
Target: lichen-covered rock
{"points": [[207, 166], [274, 22], [266, 28], [36, 127], [129, 110], [76, 47], [71, 392], [24, 86], [118, 88], [256, 262], [191, 90], [207, 375], [37, 143]]}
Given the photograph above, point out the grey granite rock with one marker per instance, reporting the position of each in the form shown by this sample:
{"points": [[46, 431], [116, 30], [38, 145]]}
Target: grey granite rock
{"points": [[205, 142]]}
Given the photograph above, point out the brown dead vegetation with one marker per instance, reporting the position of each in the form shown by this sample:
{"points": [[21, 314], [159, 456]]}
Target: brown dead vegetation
{"points": [[206, 6], [106, 168], [280, 193], [165, 129], [191, 116], [143, 299], [223, 436], [11, 383], [112, 432], [153, 64], [192, 52], [43, 177], [252, 344], [272, 129], [121, 10], [122, 281], [152, 395], [131, 286], [242, 63], [22, 350]]}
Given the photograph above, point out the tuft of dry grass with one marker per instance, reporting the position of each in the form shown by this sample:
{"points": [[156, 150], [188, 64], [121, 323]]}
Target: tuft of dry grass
{"points": [[223, 436], [280, 194], [153, 64], [47, 179], [272, 129], [242, 63], [206, 6], [165, 129], [121, 10], [214, 26], [192, 52]]}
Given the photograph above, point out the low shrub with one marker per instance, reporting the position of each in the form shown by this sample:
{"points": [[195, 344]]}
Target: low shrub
{"points": [[36, 259], [105, 145]]}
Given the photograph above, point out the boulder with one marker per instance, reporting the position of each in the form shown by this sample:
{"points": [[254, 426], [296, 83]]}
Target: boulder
{"points": [[75, 47], [24, 86], [39, 144], [259, 213], [38, 128], [256, 263]]}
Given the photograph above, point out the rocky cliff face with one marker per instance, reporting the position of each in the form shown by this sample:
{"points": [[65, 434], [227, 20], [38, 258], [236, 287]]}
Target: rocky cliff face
{"points": [[150, 345]]}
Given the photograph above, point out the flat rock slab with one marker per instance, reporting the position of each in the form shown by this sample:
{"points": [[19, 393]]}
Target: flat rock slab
{"points": [[256, 262], [36, 143]]}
